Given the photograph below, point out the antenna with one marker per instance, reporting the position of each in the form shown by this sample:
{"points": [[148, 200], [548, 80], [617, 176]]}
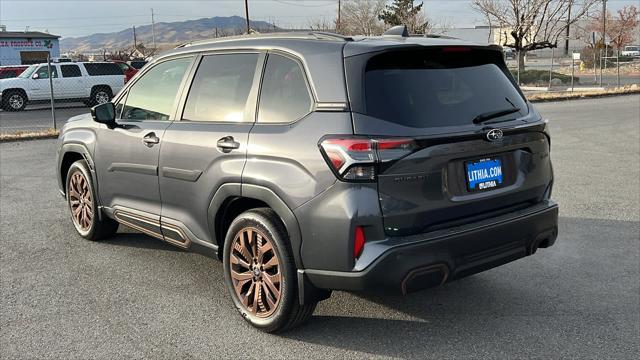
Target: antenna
{"points": [[397, 31], [153, 30]]}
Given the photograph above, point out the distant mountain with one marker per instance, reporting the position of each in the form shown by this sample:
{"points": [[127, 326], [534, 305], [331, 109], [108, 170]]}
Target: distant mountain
{"points": [[167, 34]]}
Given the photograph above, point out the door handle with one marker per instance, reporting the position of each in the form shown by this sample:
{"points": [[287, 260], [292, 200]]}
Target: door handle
{"points": [[150, 139], [227, 143]]}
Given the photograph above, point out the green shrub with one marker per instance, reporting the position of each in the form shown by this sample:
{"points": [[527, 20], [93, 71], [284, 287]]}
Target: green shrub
{"points": [[541, 77]]}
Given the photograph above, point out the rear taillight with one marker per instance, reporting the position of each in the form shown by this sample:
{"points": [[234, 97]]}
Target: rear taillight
{"points": [[356, 158], [358, 242]]}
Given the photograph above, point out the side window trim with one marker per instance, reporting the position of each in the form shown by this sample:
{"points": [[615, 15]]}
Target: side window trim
{"points": [[123, 100], [252, 100], [172, 114], [310, 91]]}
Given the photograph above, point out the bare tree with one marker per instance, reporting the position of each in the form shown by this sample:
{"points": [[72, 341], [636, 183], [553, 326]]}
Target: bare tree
{"points": [[321, 24], [621, 28], [532, 24], [360, 17]]}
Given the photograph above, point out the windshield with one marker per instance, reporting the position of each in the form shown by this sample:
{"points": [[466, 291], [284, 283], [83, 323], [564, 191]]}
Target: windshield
{"points": [[440, 87], [27, 73]]}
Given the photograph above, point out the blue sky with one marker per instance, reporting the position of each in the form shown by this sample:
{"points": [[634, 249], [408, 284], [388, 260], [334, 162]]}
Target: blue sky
{"points": [[82, 17]]}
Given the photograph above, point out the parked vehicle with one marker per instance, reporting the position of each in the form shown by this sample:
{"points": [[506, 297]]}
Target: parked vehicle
{"points": [[509, 53], [137, 64], [91, 82], [128, 70], [11, 71], [310, 162], [633, 50]]}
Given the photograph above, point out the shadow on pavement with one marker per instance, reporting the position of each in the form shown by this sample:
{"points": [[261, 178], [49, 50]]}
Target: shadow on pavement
{"points": [[514, 305]]}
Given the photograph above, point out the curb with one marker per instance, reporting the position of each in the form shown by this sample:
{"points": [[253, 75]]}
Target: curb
{"points": [[581, 96], [28, 136]]}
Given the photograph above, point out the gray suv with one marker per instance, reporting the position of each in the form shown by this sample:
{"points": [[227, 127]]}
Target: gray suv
{"points": [[312, 162]]}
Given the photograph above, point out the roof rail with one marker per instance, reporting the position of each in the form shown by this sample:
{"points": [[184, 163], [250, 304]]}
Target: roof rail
{"points": [[319, 35], [329, 35], [436, 36]]}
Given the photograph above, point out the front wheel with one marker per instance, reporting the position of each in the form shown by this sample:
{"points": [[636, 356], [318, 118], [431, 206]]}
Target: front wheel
{"points": [[260, 273], [14, 101], [83, 205]]}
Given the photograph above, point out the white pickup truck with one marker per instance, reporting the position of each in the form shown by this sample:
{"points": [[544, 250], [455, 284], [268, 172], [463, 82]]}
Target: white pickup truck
{"points": [[90, 82]]}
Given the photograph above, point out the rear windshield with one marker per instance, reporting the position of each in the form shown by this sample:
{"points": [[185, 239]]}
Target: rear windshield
{"points": [[97, 69], [439, 87]]}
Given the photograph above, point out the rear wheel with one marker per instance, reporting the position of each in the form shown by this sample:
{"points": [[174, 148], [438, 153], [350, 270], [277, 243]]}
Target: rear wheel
{"points": [[14, 101], [260, 273], [83, 206]]}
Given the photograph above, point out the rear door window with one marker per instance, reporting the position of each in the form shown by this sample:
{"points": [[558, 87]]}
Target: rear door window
{"points": [[438, 87], [220, 88], [70, 71]]}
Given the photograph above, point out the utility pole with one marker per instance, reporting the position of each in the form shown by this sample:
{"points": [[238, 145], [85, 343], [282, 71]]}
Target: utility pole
{"points": [[153, 30], [604, 21], [566, 41], [246, 13], [338, 23], [604, 32], [135, 41]]}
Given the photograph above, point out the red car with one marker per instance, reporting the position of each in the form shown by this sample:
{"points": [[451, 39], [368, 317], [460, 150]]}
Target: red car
{"points": [[11, 71], [126, 69]]}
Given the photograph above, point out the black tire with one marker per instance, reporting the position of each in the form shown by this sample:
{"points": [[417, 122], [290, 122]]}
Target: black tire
{"points": [[287, 313], [93, 228], [99, 94], [14, 100]]}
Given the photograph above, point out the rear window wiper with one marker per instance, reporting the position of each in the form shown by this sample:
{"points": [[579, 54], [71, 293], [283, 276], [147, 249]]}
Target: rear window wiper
{"points": [[494, 114]]}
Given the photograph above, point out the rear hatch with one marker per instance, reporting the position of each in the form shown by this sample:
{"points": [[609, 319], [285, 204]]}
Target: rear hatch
{"points": [[473, 147]]}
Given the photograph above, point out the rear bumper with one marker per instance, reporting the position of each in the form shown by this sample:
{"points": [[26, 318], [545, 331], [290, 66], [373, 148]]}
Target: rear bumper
{"points": [[424, 261]]}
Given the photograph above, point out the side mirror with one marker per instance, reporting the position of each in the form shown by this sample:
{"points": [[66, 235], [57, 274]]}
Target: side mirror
{"points": [[35, 76], [104, 114]]}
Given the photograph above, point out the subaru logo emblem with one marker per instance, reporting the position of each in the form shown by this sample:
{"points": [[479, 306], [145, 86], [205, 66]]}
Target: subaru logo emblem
{"points": [[494, 135]]}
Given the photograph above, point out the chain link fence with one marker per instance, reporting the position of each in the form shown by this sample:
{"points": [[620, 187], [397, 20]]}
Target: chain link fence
{"points": [[552, 70], [33, 101], [40, 97]]}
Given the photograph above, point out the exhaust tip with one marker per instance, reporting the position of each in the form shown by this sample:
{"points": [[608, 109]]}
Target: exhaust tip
{"points": [[424, 278]]}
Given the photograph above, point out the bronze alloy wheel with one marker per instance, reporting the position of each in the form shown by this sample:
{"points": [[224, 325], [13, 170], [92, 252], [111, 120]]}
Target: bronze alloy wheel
{"points": [[80, 201], [255, 272]]}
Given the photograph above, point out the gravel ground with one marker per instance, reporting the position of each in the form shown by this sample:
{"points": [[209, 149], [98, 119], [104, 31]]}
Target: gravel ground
{"points": [[135, 297]]}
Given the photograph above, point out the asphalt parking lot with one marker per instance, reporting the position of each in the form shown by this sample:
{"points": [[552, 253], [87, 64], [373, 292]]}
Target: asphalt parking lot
{"points": [[133, 296]]}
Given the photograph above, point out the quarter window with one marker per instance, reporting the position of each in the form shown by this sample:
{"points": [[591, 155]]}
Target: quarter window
{"points": [[70, 71], [103, 68], [153, 96], [284, 96], [221, 88]]}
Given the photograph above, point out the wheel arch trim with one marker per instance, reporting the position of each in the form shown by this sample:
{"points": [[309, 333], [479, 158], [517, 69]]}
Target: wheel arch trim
{"points": [[81, 149], [265, 195]]}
